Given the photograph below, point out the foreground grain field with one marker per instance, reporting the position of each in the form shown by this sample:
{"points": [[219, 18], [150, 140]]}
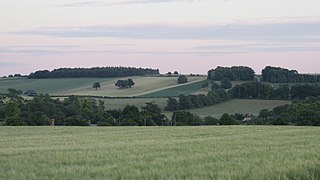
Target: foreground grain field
{"points": [[234, 152]]}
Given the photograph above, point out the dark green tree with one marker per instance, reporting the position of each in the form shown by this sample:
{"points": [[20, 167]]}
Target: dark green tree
{"points": [[172, 104], [13, 114], [182, 79], [226, 83], [215, 86], [76, 121], [184, 118], [124, 83], [227, 119], [96, 85], [152, 113], [131, 116], [211, 121], [130, 83]]}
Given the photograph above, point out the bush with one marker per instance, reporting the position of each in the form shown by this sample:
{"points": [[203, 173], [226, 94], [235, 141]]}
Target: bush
{"points": [[182, 79], [75, 121], [226, 83]]}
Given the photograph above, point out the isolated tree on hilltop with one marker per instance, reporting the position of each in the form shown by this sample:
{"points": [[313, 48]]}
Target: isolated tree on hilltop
{"points": [[96, 85], [182, 79]]}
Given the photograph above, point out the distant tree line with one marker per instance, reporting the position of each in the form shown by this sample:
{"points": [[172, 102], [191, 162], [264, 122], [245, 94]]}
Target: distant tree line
{"points": [[257, 90], [235, 73], [269, 74], [299, 113], [192, 101], [282, 75], [75, 111], [92, 72]]}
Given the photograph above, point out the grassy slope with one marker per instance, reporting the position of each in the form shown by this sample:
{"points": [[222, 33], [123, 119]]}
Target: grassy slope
{"points": [[239, 106], [234, 152], [53, 86], [177, 90], [83, 86], [142, 85]]}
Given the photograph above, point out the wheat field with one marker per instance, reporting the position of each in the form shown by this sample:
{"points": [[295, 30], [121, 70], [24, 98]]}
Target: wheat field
{"points": [[224, 152]]}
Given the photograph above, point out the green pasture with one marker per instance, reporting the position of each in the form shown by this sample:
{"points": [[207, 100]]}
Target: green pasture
{"points": [[238, 106], [177, 90], [83, 86], [51, 86], [225, 152]]}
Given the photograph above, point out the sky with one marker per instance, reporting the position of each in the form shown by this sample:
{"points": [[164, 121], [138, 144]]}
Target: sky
{"points": [[190, 36]]}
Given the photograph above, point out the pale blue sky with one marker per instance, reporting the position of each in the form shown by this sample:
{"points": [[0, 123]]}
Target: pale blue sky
{"points": [[196, 35]]}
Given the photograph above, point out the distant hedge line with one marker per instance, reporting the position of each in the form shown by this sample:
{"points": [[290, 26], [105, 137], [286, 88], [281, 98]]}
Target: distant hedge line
{"points": [[92, 72]]}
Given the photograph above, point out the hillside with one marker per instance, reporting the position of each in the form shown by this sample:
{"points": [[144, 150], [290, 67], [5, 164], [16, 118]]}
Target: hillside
{"points": [[83, 86], [239, 106], [143, 85], [51, 86]]}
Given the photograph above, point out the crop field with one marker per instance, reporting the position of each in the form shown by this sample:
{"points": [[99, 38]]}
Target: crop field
{"points": [[83, 86], [177, 90], [216, 152], [52, 86], [143, 85], [239, 106]]}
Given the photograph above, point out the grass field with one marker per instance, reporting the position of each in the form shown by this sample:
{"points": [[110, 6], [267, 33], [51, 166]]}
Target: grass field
{"points": [[177, 90], [238, 106], [226, 152], [83, 86], [143, 85], [51, 86]]}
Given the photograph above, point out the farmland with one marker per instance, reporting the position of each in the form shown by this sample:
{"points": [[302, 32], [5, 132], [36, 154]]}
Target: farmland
{"points": [[232, 106], [51, 86], [176, 90], [224, 152], [239, 106], [83, 86]]}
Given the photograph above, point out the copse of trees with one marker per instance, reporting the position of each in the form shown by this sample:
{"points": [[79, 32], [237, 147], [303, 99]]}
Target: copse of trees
{"points": [[125, 83], [301, 114], [192, 101], [257, 90], [235, 73], [282, 75], [253, 90], [92, 72]]}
